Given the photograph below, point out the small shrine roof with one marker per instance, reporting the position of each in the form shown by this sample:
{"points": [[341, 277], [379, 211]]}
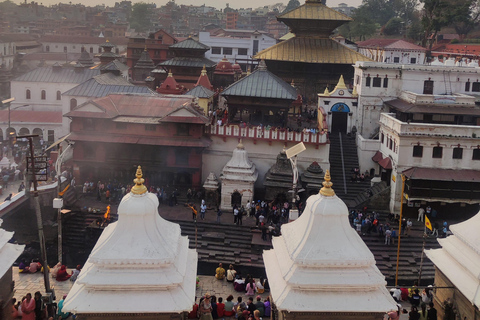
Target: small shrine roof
{"points": [[200, 92], [459, 258], [239, 167], [193, 62], [311, 50], [261, 84], [113, 65], [191, 44], [320, 251], [142, 260]]}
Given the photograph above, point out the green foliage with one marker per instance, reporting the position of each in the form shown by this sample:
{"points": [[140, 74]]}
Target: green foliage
{"points": [[292, 4], [454, 41], [435, 17], [140, 16], [360, 28], [393, 26]]}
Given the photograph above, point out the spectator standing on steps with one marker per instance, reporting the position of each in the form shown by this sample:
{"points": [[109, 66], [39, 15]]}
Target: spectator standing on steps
{"points": [[219, 214], [421, 213], [203, 209]]}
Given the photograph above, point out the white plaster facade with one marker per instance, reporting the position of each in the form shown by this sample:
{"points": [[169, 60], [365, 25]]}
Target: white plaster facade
{"points": [[412, 78], [7, 53], [238, 176], [397, 140], [92, 47], [241, 48]]}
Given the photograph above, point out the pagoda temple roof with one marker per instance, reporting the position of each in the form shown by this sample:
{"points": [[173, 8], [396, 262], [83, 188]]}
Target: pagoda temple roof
{"points": [[313, 10], [261, 84], [200, 92], [311, 50], [193, 62], [190, 44]]}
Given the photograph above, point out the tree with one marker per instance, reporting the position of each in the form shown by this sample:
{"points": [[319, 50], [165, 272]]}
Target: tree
{"points": [[393, 26], [292, 4], [465, 15], [435, 16], [140, 17]]}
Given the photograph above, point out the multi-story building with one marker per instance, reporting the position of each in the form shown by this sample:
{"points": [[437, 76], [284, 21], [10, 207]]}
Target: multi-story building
{"points": [[69, 44], [232, 18], [392, 51]]}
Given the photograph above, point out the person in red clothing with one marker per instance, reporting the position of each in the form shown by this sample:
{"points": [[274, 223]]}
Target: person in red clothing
{"points": [[62, 274], [220, 307], [193, 313]]}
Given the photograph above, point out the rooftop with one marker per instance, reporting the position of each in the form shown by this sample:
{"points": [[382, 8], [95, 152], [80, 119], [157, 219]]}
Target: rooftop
{"points": [[390, 44], [57, 75], [191, 44], [193, 62]]}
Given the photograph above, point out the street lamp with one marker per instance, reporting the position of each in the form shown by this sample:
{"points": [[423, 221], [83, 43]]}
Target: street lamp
{"points": [[292, 156]]}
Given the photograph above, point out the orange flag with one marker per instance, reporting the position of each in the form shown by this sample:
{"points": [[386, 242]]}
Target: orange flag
{"points": [[427, 223]]}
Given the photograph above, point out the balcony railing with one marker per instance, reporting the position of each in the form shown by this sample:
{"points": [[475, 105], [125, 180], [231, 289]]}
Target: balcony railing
{"points": [[269, 134]]}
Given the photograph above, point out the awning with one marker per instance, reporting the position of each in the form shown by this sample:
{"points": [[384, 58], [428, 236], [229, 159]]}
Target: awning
{"points": [[386, 163], [56, 143], [416, 173], [377, 157]]}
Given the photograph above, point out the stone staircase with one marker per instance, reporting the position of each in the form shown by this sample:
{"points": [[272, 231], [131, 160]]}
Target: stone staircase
{"points": [[343, 158]]}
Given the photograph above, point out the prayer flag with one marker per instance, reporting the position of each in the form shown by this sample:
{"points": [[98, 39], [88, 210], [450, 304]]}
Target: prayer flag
{"points": [[427, 223]]}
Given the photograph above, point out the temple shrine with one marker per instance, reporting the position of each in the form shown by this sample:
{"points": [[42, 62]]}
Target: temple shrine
{"points": [[171, 86], [457, 266], [224, 74], [143, 67], [279, 179], [141, 266], [320, 268], [107, 55], [311, 58], [188, 61], [238, 179], [312, 178]]}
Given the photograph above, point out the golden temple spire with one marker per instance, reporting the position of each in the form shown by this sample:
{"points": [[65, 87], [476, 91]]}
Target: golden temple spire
{"points": [[170, 73], [249, 71], [340, 84], [327, 190], [204, 71], [240, 144], [139, 188], [326, 92]]}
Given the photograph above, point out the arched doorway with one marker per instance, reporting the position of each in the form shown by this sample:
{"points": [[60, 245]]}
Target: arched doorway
{"points": [[11, 132], [24, 132], [236, 199], [39, 132], [339, 113]]}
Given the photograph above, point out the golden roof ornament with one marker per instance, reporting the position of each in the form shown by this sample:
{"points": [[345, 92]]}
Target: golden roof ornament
{"points": [[170, 73], [240, 145], [249, 71], [204, 71], [326, 92], [354, 92], [340, 84], [139, 188], [327, 190]]}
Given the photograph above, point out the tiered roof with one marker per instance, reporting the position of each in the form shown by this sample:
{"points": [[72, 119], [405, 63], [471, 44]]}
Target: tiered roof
{"points": [[203, 80], [239, 167], [320, 264], [140, 264]]}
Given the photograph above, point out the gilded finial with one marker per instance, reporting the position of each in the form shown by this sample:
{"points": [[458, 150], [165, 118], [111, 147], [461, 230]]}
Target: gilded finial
{"points": [[326, 92], [340, 84], [327, 186], [204, 71], [170, 73], [139, 188], [240, 145]]}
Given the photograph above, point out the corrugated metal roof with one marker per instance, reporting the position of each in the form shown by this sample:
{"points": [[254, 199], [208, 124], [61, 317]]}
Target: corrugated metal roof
{"points": [[309, 50], [262, 84], [436, 174], [200, 92], [57, 75], [114, 65], [406, 107], [389, 44], [190, 44], [188, 62], [314, 11], [105, 84]]}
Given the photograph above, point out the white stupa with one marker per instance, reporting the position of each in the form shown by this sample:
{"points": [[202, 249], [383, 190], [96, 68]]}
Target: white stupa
{"points": [[321, 265], [238, 176], [459, 259], [9, 252], [140, 265]]}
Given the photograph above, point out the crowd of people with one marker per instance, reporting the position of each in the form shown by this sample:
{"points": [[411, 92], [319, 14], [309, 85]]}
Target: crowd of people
{"points": [[422, 306], [35, 308]]}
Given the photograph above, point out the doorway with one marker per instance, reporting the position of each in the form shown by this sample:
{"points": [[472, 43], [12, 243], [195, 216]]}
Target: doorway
{"points": [[339, 122]]}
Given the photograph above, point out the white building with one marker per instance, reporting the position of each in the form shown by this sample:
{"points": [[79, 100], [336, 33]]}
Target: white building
{"points": [[69, 44], [234, 48], [392, 51]]}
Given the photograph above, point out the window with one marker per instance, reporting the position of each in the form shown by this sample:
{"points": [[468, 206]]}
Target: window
{"points": [[47, 48], [88, 151], [417, 151], [255, 46], [73, 104], [390, 143], [150, 127], [91, 49], [428, 87], [385, 82], [367, 81], [377, 82], [242, 51], [457, 153], [357, 79], [43, 95], [59, 95], [51, 135], [28, 94], [382, 137], [476, 87], [396, 59], [227, 51], [73, 47], [437, 152], [413, 60], [88, 124], [182, 129], [476, 154], [65, 49], [120, 125], [216, 50], [99, 49], [467, 86]]}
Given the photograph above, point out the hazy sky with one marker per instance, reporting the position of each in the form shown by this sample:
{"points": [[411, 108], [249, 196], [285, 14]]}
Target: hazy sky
{"points": [[214, 3]]}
